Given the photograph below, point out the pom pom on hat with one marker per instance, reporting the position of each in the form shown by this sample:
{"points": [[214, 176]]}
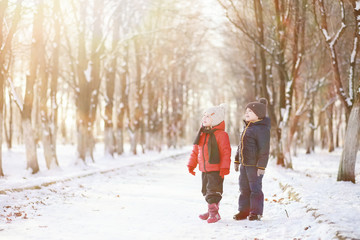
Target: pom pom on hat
{"points": [[217, 114], [259, 108], [263, 101]]}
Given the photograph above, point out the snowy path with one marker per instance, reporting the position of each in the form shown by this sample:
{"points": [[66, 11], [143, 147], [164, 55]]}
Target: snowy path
{"points": [[160, 200]]}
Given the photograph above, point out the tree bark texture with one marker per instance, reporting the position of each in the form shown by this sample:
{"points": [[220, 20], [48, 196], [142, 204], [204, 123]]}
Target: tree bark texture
{"points": [[351, 145]]}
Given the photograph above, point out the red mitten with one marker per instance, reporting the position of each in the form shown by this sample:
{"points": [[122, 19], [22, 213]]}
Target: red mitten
{"points": [[224, 171], [191, 170]]}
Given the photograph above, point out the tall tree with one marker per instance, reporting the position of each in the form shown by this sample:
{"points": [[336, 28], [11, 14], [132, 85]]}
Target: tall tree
{"points": [[6, 42], [55, 77], [123, 107], [28, 132], [43, 75], [88, 80], [351, 145], [109, 137], [3, 7], [138, 117]]}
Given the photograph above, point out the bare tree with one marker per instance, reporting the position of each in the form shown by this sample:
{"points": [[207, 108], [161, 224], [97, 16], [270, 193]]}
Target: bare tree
{"points": [[88, 81], [54, 78], [3, 6], [28, 131], [46, 124], [123, 107], [351, 145], [109, 137]]}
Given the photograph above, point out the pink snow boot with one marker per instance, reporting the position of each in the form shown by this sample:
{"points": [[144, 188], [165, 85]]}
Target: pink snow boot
{"points": [[204, 216], [214, 213]]}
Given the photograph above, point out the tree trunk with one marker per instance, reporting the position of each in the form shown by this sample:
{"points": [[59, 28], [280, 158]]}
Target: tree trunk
{"points": [[54, 81], [331, 43], [1, 117], [338, 126], [49, 154], [95, 64], [119, 140], [264, 79], [322, 124], [109, 141], [5, 48], [139, 90], [133, 140], [109, 138], [8, 129], [298, 50], [310, 143], [3, 6], [152, 114], [83, 93], [30, 145], [348, 157], [87, 95], [123, 106], [329, 113], [28, 131], [284, 106], [85, 143]]}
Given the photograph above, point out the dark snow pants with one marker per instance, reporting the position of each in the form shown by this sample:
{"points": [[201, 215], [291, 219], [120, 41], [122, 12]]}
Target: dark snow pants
{"points": [[251, 198], [212, 186]]}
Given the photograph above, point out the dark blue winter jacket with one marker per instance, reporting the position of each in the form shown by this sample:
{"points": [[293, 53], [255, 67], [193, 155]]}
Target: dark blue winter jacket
{"points": [[254, 146]]}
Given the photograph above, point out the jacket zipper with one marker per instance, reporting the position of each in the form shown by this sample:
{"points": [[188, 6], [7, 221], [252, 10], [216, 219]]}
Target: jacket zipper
{"points": [[203, 152], [242, 144]]}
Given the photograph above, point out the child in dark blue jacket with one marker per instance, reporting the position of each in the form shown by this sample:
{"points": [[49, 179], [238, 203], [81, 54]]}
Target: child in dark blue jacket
{"points": [[253, 154]]}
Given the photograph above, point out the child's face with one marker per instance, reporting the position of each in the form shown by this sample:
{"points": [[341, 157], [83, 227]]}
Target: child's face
{"points": [[250, 115], [206, 120]]}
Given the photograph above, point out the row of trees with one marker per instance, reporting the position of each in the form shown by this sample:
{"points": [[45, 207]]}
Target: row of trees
{"points": [[302, 56], [140, 72], [121, 68]]}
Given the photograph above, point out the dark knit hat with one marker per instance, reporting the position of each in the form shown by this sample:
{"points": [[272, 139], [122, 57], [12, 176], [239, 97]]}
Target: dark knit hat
{"points": [[259, 108]]}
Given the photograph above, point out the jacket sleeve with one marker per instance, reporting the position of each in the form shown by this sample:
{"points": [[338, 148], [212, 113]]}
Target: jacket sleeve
{"points": [[263, 143], [225, 151], [237, 155], [193, 161]]}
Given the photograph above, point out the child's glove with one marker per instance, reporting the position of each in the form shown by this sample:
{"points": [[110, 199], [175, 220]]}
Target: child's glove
{"points": [[236, 167], [260, 172], [224, 171], [191, 170]]}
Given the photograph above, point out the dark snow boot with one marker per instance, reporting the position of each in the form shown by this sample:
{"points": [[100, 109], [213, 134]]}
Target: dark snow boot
{"points": [[214, 215], [253, 217], [241, 215]]}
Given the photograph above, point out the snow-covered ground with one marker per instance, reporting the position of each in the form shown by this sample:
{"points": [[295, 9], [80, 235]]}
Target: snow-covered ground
{"points": [[152, 196]]}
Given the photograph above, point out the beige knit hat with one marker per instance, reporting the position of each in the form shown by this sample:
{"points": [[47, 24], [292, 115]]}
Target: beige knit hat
{"points": [[217, 114]]}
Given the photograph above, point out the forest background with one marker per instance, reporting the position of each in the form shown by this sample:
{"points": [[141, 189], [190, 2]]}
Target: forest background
{"points": [[142, 72]]}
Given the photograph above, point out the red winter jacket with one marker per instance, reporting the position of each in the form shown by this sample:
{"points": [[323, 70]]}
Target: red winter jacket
{"points": [[200, 154]]}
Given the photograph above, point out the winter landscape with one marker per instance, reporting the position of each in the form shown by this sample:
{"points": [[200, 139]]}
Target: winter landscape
{"points": [[153, 196], [107, 107]]}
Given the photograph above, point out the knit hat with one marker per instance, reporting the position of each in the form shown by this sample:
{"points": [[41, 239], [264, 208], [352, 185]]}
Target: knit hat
{"points": [[259, 108], [217, 114]]}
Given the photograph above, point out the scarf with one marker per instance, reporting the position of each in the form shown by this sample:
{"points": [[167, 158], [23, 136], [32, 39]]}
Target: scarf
{"points": [[213, 150]]}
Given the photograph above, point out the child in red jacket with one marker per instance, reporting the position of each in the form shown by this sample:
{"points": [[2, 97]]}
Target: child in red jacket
{"points": [[212, 152]]}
